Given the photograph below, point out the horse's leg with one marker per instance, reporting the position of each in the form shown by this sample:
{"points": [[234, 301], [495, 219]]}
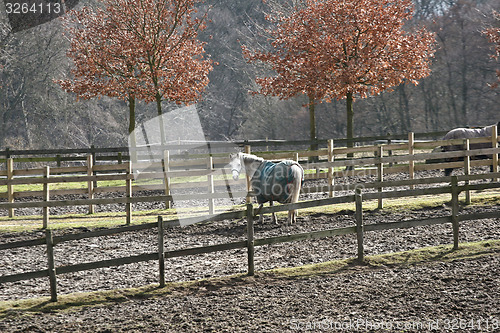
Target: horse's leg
{"points": [[261, 219], [448, 171], [273, 214]]}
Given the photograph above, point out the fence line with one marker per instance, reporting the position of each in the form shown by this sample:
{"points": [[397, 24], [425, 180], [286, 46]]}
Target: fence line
{"points": [[360, 228], [169, 168], [129, 200], [196, 161], [79, 154]]}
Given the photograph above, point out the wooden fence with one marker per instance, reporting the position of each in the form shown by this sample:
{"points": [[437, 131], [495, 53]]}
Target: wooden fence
{"points": [[121, 154], [376, 160], [251, 242]]}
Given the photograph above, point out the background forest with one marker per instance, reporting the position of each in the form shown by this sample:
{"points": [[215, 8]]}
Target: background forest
{"points": [[37, 113]]}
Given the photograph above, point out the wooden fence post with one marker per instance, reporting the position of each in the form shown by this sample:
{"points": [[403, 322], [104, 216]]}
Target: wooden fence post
{"points": [[93, 154], [359, 224], [249, 185], [467, 170], [331, 179], [10, 187], [90, 183], [166, 178], [128, 193], [250, 240], [51, 264], [380, 174], [46, 198], [161, 252], [411, 162], [454, 210], [211, 188], [494, 144]]}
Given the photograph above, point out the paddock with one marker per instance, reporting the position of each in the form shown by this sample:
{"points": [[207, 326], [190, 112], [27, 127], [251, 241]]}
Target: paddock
{"points": [[422, 294], [356, 225], [229, 262], [88, 259]]}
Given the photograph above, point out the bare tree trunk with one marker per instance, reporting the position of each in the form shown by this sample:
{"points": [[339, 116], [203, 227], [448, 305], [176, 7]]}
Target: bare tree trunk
{"points": [[312, 127], [463, 74], [131, 107], [160, 118], [350, 122], [26, 124], [452, 105], [404, 109], [131, 127]]}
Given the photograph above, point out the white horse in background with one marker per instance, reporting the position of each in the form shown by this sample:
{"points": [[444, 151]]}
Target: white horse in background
{"points": [[270, 181], [468, 133]]}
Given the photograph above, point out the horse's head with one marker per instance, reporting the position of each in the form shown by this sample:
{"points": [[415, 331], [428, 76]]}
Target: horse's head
{"points": [[235, 163], [436, 151]]}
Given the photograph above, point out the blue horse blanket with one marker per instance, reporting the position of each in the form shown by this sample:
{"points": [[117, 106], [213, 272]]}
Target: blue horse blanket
{"points": [[271, 181]]}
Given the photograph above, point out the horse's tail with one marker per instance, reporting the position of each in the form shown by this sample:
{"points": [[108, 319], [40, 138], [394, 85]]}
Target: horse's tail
{"points": [[296, 185]]}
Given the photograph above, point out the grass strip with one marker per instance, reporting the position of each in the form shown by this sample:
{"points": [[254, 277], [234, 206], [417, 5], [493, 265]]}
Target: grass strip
{"points": [[114, 219]]}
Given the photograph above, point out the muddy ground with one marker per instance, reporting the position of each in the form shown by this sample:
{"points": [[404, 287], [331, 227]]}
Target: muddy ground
{"points": [[460, 296], [431, 294], [357, 299]]}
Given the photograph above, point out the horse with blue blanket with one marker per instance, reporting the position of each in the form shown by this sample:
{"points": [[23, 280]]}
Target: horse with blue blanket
{"points": [[270, 181]]}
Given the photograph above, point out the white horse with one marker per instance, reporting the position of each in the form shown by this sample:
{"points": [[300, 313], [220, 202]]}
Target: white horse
{"points": [[270, 181], [468, 133]]}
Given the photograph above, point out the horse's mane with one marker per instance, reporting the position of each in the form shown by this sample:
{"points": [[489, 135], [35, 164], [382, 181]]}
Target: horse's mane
{"points": [[250, 158]]}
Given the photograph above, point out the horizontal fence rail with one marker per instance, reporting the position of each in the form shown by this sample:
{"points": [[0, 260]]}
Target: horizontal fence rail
{"points": [[163, 226]]}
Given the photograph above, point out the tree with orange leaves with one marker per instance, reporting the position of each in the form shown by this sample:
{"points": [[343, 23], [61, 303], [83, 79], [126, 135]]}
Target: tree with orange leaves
{"points": [[339, 49], [493, 35], [137, 49]]}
